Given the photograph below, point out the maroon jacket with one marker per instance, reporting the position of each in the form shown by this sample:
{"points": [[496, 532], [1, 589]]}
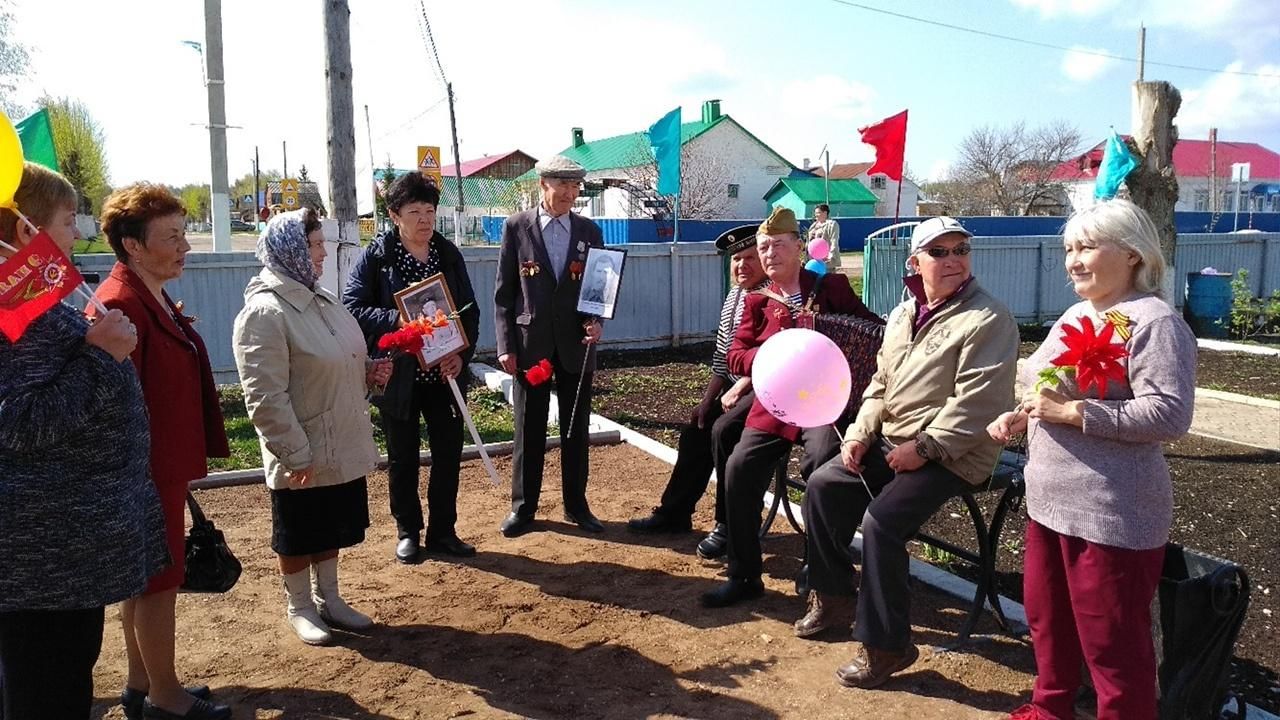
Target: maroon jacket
{"points": [[763, 316], [177, 381]]}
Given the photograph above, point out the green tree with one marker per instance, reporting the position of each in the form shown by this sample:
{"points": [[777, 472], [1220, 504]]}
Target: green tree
{"points": [[79, 141], [13, 62], [196, 198], [380, 197]]}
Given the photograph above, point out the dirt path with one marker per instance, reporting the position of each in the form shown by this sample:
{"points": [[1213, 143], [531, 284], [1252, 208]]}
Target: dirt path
{"points": [[555, 624]]}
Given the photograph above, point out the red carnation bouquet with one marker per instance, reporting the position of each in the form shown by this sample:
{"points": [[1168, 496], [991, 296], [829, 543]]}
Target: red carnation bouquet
{"points": [[1090, 354]]}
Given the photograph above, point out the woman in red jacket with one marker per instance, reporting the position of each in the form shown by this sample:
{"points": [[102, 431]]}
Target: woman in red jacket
{"points": [[146, 227]]}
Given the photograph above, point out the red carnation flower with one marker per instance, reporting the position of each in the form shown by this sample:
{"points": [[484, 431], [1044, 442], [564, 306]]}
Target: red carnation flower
{"points": [[539, 373]]}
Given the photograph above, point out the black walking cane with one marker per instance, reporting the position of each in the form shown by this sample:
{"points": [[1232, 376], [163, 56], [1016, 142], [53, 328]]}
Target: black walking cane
{"points": [[582, 376]]}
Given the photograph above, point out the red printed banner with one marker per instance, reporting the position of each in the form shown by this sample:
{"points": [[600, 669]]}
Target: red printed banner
{"points": [[35, 279]]}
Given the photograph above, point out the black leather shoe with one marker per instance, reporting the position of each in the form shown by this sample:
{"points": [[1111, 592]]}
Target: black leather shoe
{"points": [[585, 520], [660, 523], [407, 550], [733, 590], [131, 699], [200, 710], [716, 544], [450, 545], [514, 525]]}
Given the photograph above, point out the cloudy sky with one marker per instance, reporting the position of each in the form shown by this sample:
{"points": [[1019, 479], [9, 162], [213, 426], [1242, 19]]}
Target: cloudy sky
{"points": [[525, 73]]}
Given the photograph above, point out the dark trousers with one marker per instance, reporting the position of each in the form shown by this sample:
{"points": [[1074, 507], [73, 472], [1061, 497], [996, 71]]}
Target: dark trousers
{"points": [[748, 472], [434, 403], [1090, 604], [47, 658], [531, 407], [836, 502], [701, 450]]}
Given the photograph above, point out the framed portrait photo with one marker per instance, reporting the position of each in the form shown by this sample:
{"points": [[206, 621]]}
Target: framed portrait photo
{"points": [[431, 301], [601, 281]]}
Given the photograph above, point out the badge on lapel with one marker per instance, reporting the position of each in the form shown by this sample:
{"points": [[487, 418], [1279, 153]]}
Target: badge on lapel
{"points": [[575, 269], [529, 268]]}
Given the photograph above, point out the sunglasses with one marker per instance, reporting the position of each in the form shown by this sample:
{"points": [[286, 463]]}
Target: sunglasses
{"points": [[959, 251]]}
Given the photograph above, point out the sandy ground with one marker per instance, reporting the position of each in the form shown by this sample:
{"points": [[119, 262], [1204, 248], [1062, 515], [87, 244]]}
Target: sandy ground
{"points": [[554, 624]]}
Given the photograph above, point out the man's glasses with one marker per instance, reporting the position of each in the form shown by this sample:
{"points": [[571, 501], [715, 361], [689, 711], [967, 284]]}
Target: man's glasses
{"points": [[940, 252]]}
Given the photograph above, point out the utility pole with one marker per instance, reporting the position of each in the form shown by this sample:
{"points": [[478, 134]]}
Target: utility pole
{"points": [[219, 198], [284, 152], [457, 169], [1213, 171], [372, 168], [257, 207], [1153, 185], [826, 174], [341, 133], [1142, 51]]}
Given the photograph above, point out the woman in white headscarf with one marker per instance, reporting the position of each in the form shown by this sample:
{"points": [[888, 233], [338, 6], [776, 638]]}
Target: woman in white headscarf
{"points": [[305, 374]]}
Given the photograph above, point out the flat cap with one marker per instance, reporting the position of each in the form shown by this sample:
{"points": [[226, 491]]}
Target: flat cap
{"points": [[559, 167], [735, 240]]}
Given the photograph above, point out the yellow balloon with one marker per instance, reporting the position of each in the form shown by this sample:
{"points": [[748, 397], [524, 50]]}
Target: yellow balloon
{"points": [[10, 162]]}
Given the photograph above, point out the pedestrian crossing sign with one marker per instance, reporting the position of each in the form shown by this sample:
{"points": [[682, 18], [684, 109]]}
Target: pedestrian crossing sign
{"points": [[429, 163]]}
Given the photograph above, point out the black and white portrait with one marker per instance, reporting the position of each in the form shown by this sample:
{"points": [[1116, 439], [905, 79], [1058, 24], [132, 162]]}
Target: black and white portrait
{"points": [[429, 301], [601, 281]]}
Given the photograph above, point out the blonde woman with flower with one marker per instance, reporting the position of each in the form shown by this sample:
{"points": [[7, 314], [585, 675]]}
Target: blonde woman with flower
{"points": [[1114, 380]]}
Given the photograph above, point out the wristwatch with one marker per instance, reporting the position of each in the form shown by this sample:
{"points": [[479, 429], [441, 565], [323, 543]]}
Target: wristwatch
{"points": [[923, 445]]}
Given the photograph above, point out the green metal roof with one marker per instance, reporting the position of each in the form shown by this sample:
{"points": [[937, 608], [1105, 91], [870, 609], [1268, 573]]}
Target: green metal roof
{"points": [[632, 149], [814, 190]]}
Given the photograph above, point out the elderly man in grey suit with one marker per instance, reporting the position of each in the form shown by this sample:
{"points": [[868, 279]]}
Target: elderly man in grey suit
{"points": [[540, 269]]}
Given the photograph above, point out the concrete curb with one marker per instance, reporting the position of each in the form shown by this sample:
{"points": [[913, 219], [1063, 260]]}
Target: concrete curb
{"points": [[1225, 346], [1238, 398]]}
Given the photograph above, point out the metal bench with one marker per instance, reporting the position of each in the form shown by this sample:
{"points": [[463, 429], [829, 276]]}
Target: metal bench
{"points": [[1006, 479]]}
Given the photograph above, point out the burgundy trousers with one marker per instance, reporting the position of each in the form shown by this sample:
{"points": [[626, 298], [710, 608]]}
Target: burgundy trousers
{"points": [[1091, 603]]}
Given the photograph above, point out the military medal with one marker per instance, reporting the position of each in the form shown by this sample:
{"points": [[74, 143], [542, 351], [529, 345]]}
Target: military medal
{"points": [[575, 268], [529, 268]]}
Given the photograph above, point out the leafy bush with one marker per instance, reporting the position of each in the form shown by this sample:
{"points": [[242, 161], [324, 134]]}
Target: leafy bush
{"points": [[1251, 316]]}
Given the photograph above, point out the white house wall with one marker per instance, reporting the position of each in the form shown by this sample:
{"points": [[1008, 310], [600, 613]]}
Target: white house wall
{"points": [[746, 163], [887, 196], [1080, 194]]}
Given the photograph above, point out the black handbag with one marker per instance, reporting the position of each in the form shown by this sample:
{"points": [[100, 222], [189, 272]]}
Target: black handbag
{"points": [[211, 568]]}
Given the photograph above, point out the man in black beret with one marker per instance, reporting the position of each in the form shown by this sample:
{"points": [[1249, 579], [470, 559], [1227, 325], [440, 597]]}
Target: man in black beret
{"points": [[717, 421]]}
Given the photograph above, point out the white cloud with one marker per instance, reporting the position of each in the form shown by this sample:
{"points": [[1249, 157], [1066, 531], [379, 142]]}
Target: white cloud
{"points": [[1080, 65], [827, 96], [1240, 106]]}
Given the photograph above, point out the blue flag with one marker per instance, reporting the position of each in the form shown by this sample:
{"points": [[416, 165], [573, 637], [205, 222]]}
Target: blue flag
{"points": [[664, 136], [1117, 163]]}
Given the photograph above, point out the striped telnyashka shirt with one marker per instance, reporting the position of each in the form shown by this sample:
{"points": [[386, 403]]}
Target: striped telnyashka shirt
{"points": [[730, 316]]}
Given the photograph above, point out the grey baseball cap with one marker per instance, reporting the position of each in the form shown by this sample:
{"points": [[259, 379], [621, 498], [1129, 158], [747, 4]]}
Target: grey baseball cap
{"points": [[934, 228], [559, 167]]}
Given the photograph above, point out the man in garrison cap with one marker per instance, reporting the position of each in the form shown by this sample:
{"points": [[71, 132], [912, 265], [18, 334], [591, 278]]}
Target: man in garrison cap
{"points": [[717, 422], [791, 294], [540, 270]]}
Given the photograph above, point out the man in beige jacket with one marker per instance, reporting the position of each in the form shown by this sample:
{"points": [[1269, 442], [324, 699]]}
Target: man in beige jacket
{"points": [[946, 369]]}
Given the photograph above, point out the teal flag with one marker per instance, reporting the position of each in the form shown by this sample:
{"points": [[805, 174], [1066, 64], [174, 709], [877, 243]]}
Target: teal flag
{"points": [[1117, 163], [36, 134], [664, 136]]}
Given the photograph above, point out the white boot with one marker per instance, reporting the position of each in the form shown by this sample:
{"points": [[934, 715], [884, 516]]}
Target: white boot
{"points": [[324, 590], [302, 613]]}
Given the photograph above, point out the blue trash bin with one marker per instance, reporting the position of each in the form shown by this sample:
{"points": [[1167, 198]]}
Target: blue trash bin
{"points": [[1208, 306]]}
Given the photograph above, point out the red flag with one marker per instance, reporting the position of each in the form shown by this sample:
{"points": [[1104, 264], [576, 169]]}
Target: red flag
{"points": [[35, 279], [889, 136]]}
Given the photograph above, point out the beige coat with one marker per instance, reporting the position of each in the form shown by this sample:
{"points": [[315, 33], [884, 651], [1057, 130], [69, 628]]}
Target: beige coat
{"points": [[301, 358], [949, 381]]}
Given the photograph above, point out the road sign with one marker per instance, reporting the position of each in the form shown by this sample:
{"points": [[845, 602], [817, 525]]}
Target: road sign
{"points": [[429, 163], [1240, 172], [289, 194]]}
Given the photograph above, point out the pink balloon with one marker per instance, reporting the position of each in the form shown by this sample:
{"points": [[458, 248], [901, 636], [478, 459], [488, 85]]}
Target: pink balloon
{"points": [[802, 378], [819, 249]]}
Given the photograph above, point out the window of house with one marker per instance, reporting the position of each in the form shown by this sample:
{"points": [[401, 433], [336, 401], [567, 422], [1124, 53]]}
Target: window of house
{"points": [[879, 182], [1202, 200], [733, 190]]}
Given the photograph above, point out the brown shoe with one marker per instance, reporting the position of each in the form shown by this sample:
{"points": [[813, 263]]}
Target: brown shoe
{"points": [[825, 611], [872, 667]]}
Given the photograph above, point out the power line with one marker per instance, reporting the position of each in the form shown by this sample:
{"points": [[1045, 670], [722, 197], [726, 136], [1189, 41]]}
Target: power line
{"points": [[429, 41], [1051, 46]]}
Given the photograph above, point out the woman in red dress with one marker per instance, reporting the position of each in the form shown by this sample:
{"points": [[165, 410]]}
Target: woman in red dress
{"points": [[146, 227]]}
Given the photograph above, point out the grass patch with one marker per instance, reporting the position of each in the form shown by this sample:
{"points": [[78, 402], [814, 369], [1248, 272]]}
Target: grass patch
{"points": [[493, 417], [91, 246]]}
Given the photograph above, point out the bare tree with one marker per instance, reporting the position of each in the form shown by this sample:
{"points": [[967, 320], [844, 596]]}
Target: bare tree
{"points": [[1008, 170], [13, 61], [704, 182]]}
